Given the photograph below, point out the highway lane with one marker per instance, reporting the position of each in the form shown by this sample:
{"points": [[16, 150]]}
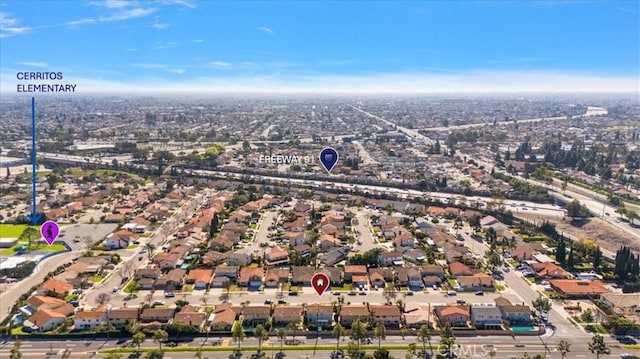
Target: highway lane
{"points": [[478, 347]]}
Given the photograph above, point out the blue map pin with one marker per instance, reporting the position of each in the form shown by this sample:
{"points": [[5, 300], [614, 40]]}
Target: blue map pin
{"points": [[328, 158]]}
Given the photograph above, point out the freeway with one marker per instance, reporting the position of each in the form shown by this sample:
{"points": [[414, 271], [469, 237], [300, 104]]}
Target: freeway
{"points": [[596, 207]]}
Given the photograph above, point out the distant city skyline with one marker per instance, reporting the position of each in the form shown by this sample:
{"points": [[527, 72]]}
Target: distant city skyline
{"points": [[331, 47]]}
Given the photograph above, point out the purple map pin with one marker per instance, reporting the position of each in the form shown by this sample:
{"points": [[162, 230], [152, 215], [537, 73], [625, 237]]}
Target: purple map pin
{"points": [[50, 231]]}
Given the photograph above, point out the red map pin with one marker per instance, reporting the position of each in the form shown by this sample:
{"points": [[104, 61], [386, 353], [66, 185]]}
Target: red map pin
{"points": [[320, 282]]}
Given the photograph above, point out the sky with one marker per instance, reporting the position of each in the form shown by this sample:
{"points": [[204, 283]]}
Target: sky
{"points": [[333, 46]]}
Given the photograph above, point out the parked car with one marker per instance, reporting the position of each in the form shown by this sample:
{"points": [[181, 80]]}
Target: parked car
{"points": [[479, 292], [169, 294], [452, 293]]}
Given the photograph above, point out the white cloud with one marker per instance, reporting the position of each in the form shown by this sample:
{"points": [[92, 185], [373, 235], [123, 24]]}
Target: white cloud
{"points": [[479, 81], [150, 66], [33, 64], [267, 30], [220, 64], [161, 45], [112, 4], [198, 40], [184, 3], [9, 26], [159, 26], [177, 71]]}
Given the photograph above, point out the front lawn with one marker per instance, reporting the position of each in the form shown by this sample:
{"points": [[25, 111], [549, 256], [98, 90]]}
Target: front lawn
{"points": [[253, 226], [12, 230], [188, 288], [97, 278], [500, 287]]}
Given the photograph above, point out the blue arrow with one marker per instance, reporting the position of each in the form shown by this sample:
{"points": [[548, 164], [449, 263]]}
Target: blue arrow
{"points": [[35, 217]]}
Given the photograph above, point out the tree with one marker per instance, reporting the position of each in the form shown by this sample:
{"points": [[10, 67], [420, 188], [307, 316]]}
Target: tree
{"points": [[424, 335], [282, 335], [447, 340], [150, 247], [598, 347], [338, 332], [381, 354], [541, 304], [390, 293], [159, 337], [15, 350], [261, 334], [380, 333], [29, 234], [137, 339], [597, 258], [563, 348], [237, 333], [494, 259], [561, 252], [293, 326], [103, 298], [571, 260], [358, 332]]}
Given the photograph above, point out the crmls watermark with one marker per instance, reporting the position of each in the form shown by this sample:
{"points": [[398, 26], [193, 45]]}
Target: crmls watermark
{"points": [[467, 351]]}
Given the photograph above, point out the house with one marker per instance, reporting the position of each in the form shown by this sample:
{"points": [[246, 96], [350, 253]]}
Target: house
{"points": [[160, 315], [119, 318], [328, 241], [40, 302], [303, 250], [275, 277], [89, 319], [319, 315], [334, 256], [45, 320], [350, 312], [515, 315], [390, 315], [433, 270], [238, 259], [222, 317], [250, 277], [230, 272], [390, 258], [459, 269], [167, 260], [454, 315], [360, 281], [377, 280], [54, 287], [404, 240], [486, 317], [576, 288], [189, 315], [284, 315], [149, 273], [523, 251], [120, 239], [414, 278], [334, 274], [277, 257], [302, 275], [627, 304], [171, 280], [549, 270], [415, 256], [416, 316], [254, 315], [351, 270], [475, 281], [200, 278], [401, 276], [295, 238]]}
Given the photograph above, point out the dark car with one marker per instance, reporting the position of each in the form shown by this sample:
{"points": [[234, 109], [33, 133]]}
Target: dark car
{"points": [[479, 292], [409, 293], [172, 344]]}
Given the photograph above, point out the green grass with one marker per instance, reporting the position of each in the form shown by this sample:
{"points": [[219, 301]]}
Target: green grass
{"points": [[344, 287], [253, 226], [12, 230], [96, 278], [132, 287], [632, 347], [18, 331], [500, 287], [188, 288], [40, 246]]}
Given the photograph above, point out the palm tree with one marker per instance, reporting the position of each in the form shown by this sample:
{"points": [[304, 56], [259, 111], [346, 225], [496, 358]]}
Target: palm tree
{"points": [[358, 332], [150, 247], [564, 348], [338, 332], [15, 350], [261, 334], [424, 335], [380, 333], [293, 326], [159, 337], [282, 335]]}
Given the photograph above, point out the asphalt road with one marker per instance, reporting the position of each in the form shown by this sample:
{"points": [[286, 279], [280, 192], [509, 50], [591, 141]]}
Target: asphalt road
{"points": [[262, 235], [477, 347]]}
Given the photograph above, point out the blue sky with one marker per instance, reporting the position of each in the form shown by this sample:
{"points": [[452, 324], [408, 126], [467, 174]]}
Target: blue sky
{"points": [[185, 45]]}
